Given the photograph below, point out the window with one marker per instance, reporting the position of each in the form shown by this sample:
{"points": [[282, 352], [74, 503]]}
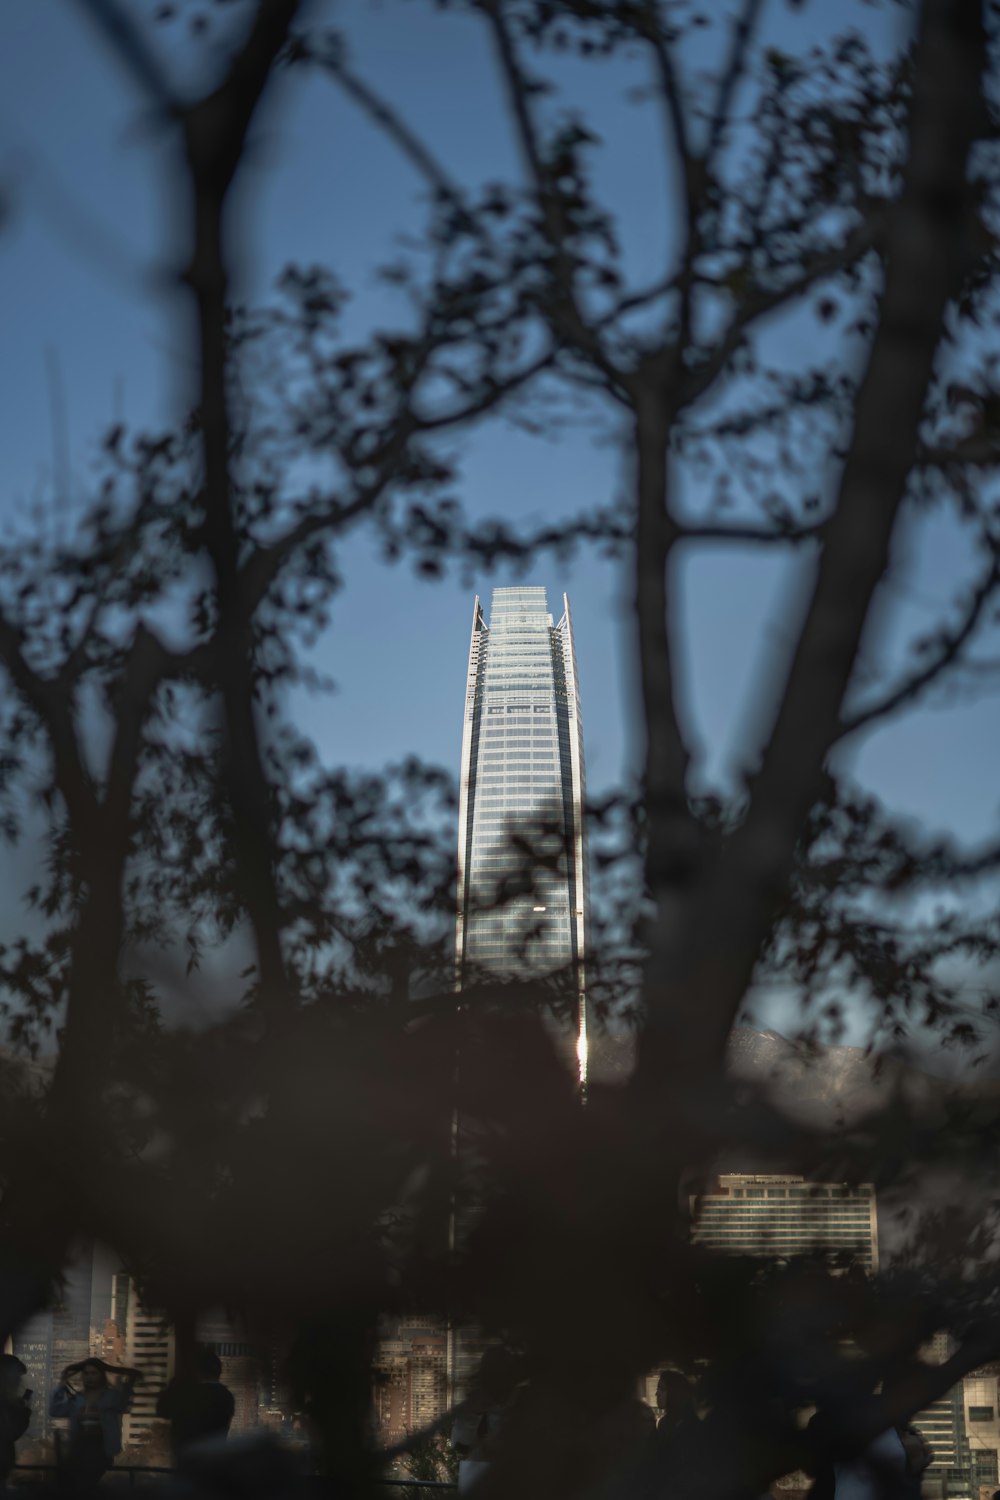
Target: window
{"points": [[980, 1414]]}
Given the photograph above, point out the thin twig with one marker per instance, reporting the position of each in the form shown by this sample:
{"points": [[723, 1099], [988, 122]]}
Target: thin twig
{"points": [[949, 650], [567, 312], [388, 119], [760, 300], [743, 32], [127, 40]]}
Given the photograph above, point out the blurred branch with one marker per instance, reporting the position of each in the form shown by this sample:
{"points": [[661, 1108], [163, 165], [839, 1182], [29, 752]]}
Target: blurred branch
{"points": [[263, 565], [650, 26], [672, 834], [759, 301], [754, 536], [52, 706], [743, 30], [980, 451], [215, 128], [93, 1002], [566, 312], [388, 119], [695, 168], [215, 131], [713, 959], [125, 37], [948, 649]]}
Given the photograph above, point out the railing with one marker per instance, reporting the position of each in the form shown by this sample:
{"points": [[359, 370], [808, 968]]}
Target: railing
{"points": [[130, 1469], [434, 1487], [308, 1481]]}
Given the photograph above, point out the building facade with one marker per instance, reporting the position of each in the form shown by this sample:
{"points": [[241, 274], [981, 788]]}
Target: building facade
{"points": [[963, 1429], [522, 850], [781, 1216], [57, 1337], [522, 774], [410, 1378], [149, 1347], [33, 1346], [981, 1424]]}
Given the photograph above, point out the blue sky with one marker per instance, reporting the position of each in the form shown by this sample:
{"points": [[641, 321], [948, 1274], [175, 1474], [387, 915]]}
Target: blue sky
{"points": [[90, 327]]}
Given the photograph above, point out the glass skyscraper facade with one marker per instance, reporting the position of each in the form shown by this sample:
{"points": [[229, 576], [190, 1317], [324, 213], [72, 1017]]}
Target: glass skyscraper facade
{"points": [[522, 778], [523, 775]]}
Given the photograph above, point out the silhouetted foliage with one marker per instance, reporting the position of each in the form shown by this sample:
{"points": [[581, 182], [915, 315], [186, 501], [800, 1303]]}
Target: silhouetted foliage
{"points": [[291, 1158]]}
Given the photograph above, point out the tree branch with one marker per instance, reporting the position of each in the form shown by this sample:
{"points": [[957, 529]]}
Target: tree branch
{"points": [[263, 566], [215, 131], [691, 173], [127, 40], [979, 451], [215, 128], [743, 31], [52, 705], [416, 151], [673, 836], [93, 1001], [753, 535], [949, 648], [567, 312], [706, 969], [651, 29], [760, 301], [695, 169]]}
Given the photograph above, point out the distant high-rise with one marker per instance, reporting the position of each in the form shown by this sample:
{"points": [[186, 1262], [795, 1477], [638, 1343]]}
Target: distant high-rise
{"points": [[410, 1378], [780, 1216], [149, 1347], [523, 771], [32, 1343], [56, 1337]]}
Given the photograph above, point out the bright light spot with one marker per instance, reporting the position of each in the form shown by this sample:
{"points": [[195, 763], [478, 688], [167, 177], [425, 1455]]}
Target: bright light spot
{"points": [[539, 908], [582, 1047]]}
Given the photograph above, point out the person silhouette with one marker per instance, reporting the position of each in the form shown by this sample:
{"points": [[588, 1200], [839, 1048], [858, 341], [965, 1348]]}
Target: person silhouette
{"points": [[197, 1406], [95, 1420], [675, 1401], [15, 1411]]}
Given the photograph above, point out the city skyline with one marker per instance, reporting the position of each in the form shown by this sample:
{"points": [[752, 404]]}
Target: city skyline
{"points": [[687, 313]]}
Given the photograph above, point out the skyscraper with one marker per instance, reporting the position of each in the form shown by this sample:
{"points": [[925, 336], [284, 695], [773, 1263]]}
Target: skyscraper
{"points": [[522, 776], [149, 1347], [523, 772]]}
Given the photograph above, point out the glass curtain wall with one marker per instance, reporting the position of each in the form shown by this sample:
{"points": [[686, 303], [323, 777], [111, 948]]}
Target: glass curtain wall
{"points": [[523, 775]]}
